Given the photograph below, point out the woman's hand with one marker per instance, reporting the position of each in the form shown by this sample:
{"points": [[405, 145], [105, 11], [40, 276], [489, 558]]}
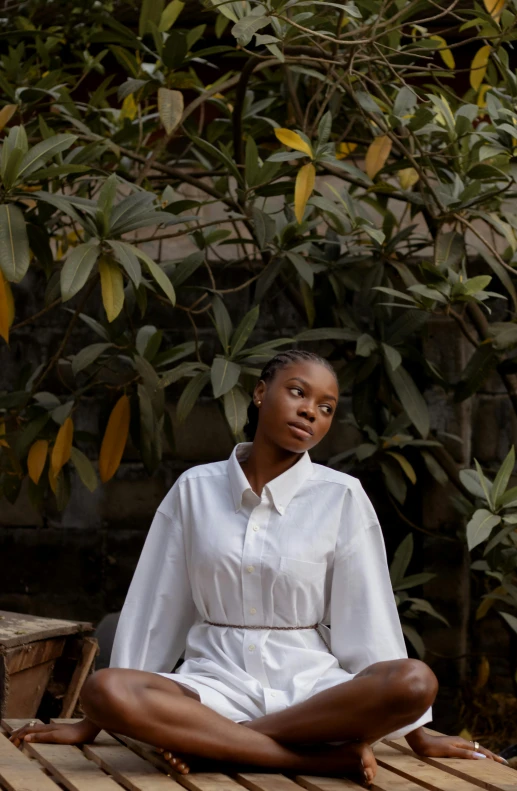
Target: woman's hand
{"points": [[56, 733], [448, 747]]}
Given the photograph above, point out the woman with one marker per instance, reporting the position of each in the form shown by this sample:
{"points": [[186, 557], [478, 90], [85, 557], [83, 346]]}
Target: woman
{"points": [[244, 561]]}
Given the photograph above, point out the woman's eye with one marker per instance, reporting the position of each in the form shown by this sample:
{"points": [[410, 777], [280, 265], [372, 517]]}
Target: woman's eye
{"points": [[328, 409], [295, 390]]}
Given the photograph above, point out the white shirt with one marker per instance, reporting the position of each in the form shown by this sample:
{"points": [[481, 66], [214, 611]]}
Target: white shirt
{"points": [[308, 550]]}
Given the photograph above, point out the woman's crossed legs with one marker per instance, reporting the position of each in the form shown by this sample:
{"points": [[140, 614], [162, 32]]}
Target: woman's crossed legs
{"points": [[156, 710]]}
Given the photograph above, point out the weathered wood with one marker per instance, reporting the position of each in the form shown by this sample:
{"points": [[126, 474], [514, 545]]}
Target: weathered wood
{"points": [[314, 783], [24, 656], [26, 690], [129, 769], [484, 773], [412, 766], [256, 781], [19, 629], [89, 651], [18, 773]]}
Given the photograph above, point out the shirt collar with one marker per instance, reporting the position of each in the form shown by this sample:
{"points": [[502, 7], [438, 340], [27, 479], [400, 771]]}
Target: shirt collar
{"points": [[281, 489]]}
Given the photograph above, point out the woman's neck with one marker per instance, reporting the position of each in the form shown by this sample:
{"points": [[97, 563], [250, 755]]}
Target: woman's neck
{"points": [[265, 462]]}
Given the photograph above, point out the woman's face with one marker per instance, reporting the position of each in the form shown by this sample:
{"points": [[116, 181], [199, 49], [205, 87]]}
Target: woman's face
{"points": [[298, 405]]}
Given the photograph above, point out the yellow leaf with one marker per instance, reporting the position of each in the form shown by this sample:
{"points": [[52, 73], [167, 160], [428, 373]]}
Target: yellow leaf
{"points": [[377, 154], [36, 459], [62, 447], [293, 140], [129, 108], [114, 440], [407, 177], [344, 149], [112, 287], [466, 734], [3, 442], [6, 307], [303, 189], [494, 8], [6, 113], [406, 466], [481, 100], [445, 53], [482, 674], [487, 603], [478, 67], [52, 479]]}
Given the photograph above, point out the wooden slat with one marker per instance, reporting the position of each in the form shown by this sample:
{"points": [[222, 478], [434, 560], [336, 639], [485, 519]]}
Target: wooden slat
{"points": [[72, 768], [486, 774], [18, 773], [257, 781], [19, 629], [89, 651], [129, 769], [412, 767], [314, 783]]}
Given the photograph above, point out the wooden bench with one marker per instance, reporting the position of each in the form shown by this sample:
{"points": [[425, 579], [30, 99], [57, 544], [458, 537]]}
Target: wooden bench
{"points": [[110, 765]]}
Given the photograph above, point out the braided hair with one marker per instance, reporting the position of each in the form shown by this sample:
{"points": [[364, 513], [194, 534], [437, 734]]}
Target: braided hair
{"points": [[281, 360]]}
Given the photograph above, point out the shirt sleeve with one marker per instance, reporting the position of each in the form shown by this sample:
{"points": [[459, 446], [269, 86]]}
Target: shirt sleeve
{"points": [[365, 626], [159, 609]]}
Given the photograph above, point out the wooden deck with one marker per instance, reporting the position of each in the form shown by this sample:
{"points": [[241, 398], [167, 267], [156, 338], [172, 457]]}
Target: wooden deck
{"points": [[109, 765]]}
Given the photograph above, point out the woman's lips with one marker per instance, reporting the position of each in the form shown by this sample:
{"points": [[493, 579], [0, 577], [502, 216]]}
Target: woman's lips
{"points": [[298, 432]]}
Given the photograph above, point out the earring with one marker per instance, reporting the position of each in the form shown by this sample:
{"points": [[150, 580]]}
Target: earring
{"points": [[259, 403]]}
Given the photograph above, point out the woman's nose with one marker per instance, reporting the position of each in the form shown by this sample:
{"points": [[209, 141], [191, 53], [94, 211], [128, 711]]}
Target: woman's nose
{"points": [[306, 410]]}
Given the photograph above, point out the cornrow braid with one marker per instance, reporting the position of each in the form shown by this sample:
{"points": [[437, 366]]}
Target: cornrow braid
{"points": [[268, 373]]}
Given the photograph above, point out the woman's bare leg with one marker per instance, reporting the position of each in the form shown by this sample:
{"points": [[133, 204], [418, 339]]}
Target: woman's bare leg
{"points": [[381, 699], [146, 706]]}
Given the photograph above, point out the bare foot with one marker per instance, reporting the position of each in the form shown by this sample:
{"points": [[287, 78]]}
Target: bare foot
{"points": [[176, 762], [352, 758]]}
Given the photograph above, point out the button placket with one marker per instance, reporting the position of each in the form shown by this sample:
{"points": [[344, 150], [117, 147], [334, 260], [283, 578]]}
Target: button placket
{"points": [[252, 592]]}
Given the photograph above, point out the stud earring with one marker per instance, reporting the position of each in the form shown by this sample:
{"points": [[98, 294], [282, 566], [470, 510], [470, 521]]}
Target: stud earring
{"points": [[259, 403]]}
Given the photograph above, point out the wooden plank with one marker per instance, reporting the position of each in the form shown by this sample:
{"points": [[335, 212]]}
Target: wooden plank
{"points": [[485, 774], [19, 629], [89, 651], [18, 773], [129, 769], [413, 767], [195, 781], [24, 656], [257, 781], [26, 690], [314, 783]]}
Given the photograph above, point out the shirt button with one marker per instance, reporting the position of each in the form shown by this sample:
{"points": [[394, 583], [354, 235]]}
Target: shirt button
{"points": [[249, 569], [273, 694], [281, 509], [255, 528], [253, 611], [251, 647]]}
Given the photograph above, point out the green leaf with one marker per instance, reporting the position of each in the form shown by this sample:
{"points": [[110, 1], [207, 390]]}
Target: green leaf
{"points": [[365, 345], [87, 356], [77, 267], [502, 274], [411, 399], [502, 477], [475, 284], [236, 409], [37, 156], [393, 357], [251, 166], [394, 480], [175, 353], [478, 368], [414, 580], [480, 527], [225, 374], [265, 227], [415, 639], [325, 128], [170, 15], [327, 333], [401, 558], [151, 11], [157, 274], [190, 394], [127, 258], [449, 249], [511, 620], [14, 243], [84, 468], [485, 484], [223, 322], [244, 330], [246, 27], [302, 266], [186, 268]]}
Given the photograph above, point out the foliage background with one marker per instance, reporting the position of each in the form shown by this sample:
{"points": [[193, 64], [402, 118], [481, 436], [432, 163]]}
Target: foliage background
{"points": [[187, 188]]}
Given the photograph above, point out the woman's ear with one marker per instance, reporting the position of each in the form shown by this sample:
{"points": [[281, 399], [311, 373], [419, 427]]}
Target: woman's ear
{"points": [[259, 392]]}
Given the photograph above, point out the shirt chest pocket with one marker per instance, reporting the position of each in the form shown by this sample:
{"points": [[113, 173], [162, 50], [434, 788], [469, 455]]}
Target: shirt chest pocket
{"points": [[302, 569]]}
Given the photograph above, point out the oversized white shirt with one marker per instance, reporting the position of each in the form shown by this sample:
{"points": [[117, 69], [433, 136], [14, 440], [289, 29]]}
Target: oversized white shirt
{"points": [[309, 550]]}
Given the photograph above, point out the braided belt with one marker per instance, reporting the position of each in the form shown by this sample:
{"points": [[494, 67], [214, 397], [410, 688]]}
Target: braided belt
{"points": [[274, 628]]}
